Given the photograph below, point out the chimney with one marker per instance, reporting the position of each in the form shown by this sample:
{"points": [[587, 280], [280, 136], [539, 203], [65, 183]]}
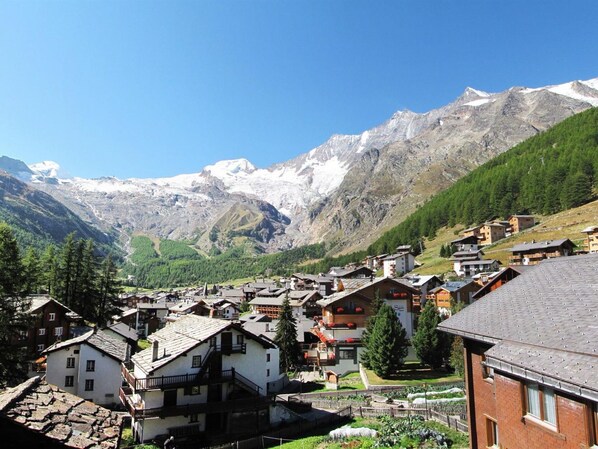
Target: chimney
{"points": [[154, 350]]}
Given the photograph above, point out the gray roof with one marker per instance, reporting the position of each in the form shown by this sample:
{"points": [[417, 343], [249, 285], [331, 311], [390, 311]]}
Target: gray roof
{"points": [[267, 301], [553, 307], [546, 244], [60, 416], [479, 262], [467, 254], [452, 286], [181, 336], [38, 301], [331, 299], [98, 339], [124, 330], [590, 229]]}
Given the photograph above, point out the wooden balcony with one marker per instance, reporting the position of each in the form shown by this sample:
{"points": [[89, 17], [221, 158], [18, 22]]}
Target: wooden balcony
{"points": [[137, 411]]}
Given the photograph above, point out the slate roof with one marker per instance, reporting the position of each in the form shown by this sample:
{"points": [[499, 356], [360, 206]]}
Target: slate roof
{"points": [[60, 416], [181, 336], [99, 340], [546, 244], [124, 330], [267, 301], [39, 301], [479, 262], [461, 255], [451, 286], [348, 283], [590, 229], [553, 307]]}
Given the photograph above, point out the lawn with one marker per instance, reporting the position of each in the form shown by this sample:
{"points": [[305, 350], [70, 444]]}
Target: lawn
{"points": [[414, 374]]}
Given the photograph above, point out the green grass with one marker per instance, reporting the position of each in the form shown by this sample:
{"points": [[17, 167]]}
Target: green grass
{"points": [[143, 344], [413, 374]]}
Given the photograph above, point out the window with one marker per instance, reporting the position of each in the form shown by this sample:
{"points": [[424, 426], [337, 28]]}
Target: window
{"points": [[193, 417], [192, 391], [52, 316], [541, 402], [91, 365], [492, 433], [69, 381], [40, 348], [268, 357], [70, 362], [347, 353], [240, 339], [89, 385], [213, 342], [196, 362], [593, 409], [267, 373], [41, 331], [58, 331]]}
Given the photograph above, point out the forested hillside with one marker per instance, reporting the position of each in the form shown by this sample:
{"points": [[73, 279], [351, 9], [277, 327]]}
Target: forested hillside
{"points": [[550, 172], [177, 266]]}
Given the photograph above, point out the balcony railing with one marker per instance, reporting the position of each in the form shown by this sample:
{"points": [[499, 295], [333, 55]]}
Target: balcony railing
{"points": [[237, 405], [183, 380]]}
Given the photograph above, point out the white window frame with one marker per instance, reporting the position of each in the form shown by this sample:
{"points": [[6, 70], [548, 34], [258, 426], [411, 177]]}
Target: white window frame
{"points": [[51, 316], [58, 331], [70, 362], [545, 401], [90, 366], [41, 331], [40, 347]]}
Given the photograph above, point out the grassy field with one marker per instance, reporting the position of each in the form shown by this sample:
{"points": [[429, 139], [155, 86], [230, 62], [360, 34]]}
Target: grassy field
{"points": [[566, 224]]}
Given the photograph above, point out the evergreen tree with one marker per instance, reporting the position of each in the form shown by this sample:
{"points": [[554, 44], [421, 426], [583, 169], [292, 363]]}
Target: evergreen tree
{"points": [[286, 337], [87, 291], [66, 271], [50, 269], [14, 319], [377, 304], [32, 271], [108, 290], [387, 345], [456, 360], [430, 344]]}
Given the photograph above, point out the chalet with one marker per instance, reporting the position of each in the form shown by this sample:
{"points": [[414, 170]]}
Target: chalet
{"points": [[87, 366], [591, 243], [351, 273], [473, 267], [424, 284], [518, 223], [535, 252], [498, 279], [373, 262], [222, 308], [398, 264], [472, 232], [323, 284], [37, 415], [303, 303], [530, 363], [467, 243], [492, 232], [344, 318], [52, 322], [203, 377], [189, 305], [124, 333], [452, 292], [460, 257]]}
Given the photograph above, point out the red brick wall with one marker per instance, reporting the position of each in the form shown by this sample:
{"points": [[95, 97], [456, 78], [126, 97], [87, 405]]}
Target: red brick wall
{"points": [[503, 400]]}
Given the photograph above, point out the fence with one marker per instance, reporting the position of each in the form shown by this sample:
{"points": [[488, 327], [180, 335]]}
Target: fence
{"points": [[453, 422]]}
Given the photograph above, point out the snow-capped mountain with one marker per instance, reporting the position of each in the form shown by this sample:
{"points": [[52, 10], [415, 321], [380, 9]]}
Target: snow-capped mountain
{"points": [[344, 190]]}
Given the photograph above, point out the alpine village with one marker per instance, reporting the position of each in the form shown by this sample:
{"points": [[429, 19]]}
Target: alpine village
{"points": [[464, 315]]}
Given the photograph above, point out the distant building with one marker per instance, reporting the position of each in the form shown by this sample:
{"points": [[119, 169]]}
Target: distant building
{"points": [[535, 252], [530, 358], [468, 243], [451, 293], [472, 267], [591, 243], [398, 264], [492, 232], [460, 257], [518, 223]]}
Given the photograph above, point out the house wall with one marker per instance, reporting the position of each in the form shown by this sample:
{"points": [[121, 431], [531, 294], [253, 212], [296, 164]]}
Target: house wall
{"points": [[56, 369], [106, 377], [592, 242], [42, 320], [503, 400], [405, 316]]}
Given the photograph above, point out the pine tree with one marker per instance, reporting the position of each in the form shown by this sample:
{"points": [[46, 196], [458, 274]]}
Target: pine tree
{"points": [[49, 266], [429, 343], [108, 290], [14, 319], [286, 337], [66, 271], [377, 304], [387, 345], [88, 294], [32, 271], [456, 359]]}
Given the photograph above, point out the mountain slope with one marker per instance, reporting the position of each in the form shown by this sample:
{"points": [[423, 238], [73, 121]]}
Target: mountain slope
{"points": [[343, 191], [38, 219]]}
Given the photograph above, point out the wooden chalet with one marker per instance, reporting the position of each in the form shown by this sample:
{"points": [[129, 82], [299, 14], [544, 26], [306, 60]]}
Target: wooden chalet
{"points": [[535, 252]]}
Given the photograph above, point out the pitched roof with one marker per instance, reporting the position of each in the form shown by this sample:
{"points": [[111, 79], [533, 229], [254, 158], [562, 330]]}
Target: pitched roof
{"points": [[546, 244], [99, 340], [331, 299], [590, 229], [39, 301], [479, 262], [60, 416], [553, 306], [452, 286], [181, 336], [124, 330]]}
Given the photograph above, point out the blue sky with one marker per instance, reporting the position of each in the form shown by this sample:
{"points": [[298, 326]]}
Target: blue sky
{"points": [[158, 88]]}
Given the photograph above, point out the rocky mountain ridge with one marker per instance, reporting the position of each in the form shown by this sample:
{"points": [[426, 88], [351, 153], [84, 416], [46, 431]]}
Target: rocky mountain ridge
{"points": [[345, 191]]}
